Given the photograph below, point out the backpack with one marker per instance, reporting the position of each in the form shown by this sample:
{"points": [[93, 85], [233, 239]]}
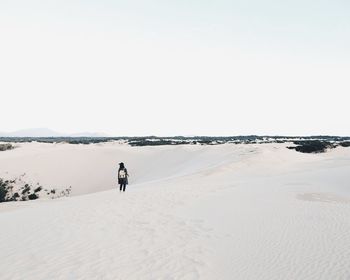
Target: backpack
{"points": [[122, 173]]}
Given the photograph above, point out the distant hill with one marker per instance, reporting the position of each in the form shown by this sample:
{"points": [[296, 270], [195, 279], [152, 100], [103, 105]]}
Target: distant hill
{"points": [[46, 132]]}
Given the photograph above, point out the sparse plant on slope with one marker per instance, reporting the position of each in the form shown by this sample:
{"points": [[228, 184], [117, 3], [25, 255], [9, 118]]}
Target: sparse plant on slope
{"points": [[6, 146], [18, 190]]}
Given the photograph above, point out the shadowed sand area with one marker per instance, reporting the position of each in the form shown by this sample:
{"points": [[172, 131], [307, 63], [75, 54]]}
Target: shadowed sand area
{"points": [[323, 197]]}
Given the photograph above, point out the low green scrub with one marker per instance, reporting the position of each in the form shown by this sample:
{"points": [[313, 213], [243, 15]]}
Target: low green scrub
{"points": [[6, 146], [313, 146], [345, 144], [17, 190]]}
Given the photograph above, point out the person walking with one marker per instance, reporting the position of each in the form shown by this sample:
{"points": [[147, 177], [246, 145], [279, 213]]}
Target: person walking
{"points": [[122, 177]]}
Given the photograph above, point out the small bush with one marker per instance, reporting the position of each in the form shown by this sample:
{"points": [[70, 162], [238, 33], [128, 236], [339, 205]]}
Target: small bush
{"points": [[5, 147], [26, 189], [314, 146], [345, 144], [38, 189], [3, 191], [33, 196], [6, 190]]}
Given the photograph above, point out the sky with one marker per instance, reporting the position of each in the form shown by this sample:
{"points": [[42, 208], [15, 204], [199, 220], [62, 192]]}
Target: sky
{"points": [[184, 67]]}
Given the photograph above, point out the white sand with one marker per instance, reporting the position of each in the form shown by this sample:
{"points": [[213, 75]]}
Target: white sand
{"points": [[190, 212]]}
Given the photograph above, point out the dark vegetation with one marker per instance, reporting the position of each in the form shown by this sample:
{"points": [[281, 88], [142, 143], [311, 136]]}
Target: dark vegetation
{"points": [[318, 146], [11, 191], [315, 146], [175, 140], [345, 144], [304, 144], [6, 146], [70, 140]]}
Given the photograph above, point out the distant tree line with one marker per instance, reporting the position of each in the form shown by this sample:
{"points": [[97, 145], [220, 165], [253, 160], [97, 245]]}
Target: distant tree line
{"points": [[304, 144], [154, 140]]}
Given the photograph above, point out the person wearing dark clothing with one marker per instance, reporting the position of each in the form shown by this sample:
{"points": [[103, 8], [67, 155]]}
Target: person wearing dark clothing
{"points": [[122, 177]]}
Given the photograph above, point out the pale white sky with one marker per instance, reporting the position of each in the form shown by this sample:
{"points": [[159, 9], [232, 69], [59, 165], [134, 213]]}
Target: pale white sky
{"points": [[176, 67]]}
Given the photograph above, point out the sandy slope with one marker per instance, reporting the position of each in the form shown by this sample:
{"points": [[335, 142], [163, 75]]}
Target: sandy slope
{"points": [[91, 168], [192, 212]]}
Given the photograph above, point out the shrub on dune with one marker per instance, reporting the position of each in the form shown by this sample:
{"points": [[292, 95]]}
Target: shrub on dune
{"points": [[6, 146], [345, 144], [27, 191], [313, 146]]}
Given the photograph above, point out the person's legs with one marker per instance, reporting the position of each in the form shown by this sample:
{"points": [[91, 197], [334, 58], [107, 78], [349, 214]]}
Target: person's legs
{"points": [[120, 187], [124, 187]]}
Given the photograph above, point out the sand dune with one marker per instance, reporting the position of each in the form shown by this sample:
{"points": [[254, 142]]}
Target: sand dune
{"points": [[190, 212]]}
